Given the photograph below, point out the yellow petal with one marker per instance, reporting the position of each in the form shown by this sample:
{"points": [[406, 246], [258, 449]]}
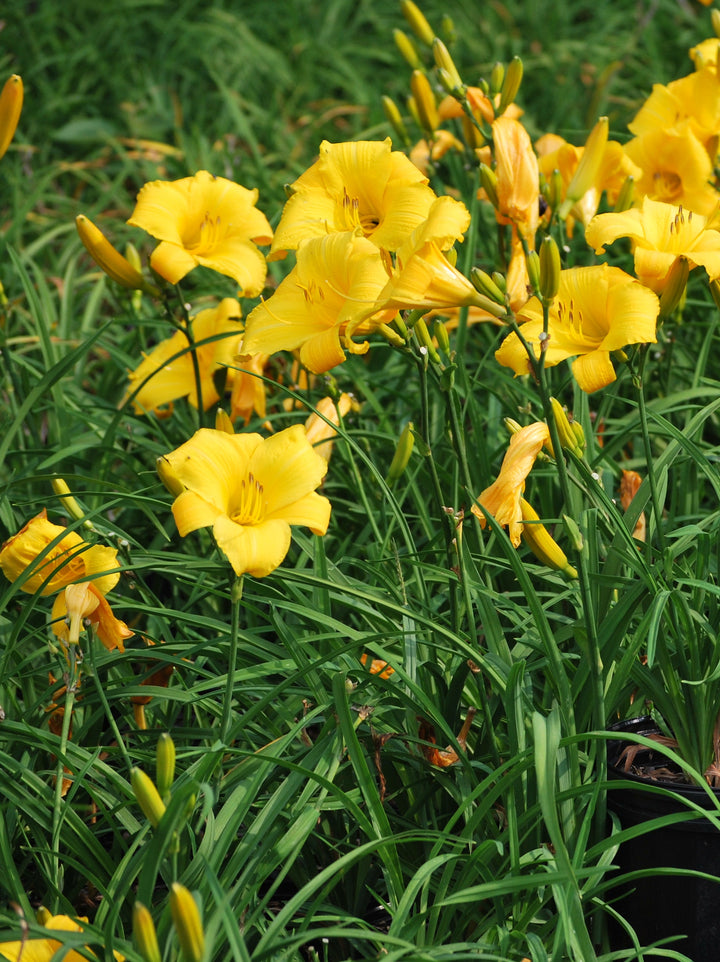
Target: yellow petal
{"points": [[288, 468], [253, 549], [593, 371], [191, 511]]}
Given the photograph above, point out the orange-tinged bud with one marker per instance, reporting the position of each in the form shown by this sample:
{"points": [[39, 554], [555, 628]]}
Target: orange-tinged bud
{"points": [[11, 101], [144, 934], [417, 22], [187, 922], [425, 101], [109, 259], [147, 796]]}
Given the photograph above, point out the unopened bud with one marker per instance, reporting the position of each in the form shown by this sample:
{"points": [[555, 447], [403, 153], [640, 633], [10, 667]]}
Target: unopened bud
{"points": [[223, 422], [500, 280], [568, 440], [533, 268], [109, 259], [417, 21], [169, 477], [497, 75], [394, 118], [577, 430], [59, 486], [573, 532], [625, 197], [407, 49], [512, 425], [715, 21], [165, 765], [511, 84], [675, 286], [443, 61], [144, 934], [550, 268], [187, 922], [483, 283], [11, 101], [425, 101], [587, 170], [488, 181], [147, 796], [424, 339], [402, 454], [447, 29], [441, 336], [715, 292], [542, 544]]}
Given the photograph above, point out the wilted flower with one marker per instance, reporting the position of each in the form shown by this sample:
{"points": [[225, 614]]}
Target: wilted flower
{"points": [[249, 491], [208, 221], [80, 603], [598, 310], [518, 178]]}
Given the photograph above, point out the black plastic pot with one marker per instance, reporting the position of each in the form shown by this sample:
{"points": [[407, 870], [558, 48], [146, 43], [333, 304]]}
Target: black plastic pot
{"points": [[662, 905]]}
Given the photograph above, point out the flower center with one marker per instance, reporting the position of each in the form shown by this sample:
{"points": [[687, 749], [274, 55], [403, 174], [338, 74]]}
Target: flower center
{"points": [[203, 236], [250, 505], [354, 217], [667, 185], [572, 321]]}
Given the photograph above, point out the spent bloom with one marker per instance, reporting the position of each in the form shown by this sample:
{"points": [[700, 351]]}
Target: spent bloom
{"points": [[11, 101], [503, 498], [659, 233], [598, 310], [208, 221], [249, 490]]}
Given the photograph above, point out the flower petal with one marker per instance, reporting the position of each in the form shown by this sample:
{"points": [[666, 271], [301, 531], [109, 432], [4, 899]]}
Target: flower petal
{"points": [[253, 549]]}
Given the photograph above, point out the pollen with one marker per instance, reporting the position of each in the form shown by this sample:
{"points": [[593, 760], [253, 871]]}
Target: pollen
{"points": [[251, 505]]}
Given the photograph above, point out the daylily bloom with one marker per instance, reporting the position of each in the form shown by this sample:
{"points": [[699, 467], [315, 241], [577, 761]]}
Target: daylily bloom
{"points": [[34, 949], [317, 430], [69, 560], [598, 310], [705, 54], [503, 499], [168, 370], [248, 389], [361, 185], [693, 100], [425, 154], [208, 221], [330, 294], [659, 233], [518, 178], [249, 491], [676, 168], [81, 602]]}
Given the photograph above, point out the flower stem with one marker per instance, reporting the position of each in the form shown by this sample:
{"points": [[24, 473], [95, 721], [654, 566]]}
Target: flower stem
{"points": [[235, 598], [72, 680]]}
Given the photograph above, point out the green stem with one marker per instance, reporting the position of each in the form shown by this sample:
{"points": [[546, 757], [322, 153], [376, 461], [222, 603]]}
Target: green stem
{"points": [[645, 432], [235, 599], [72, 680]]}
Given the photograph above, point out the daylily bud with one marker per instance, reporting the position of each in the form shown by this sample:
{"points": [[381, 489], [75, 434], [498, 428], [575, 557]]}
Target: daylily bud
{"points": [[424, 101], [550, 268], [402, 454], [625, 197], [145, 934], [418, 24], [147, 796], [537, 537], [512, 425], [109, 259], [577, 430], [165, 765], [423, 336], [553, 190], [483, 283], [59, 486], [488, 181], [168, 477], [675, 286], [511, 84], [11, 101], [441, 336], [587, 170], [497, 75], [223, 422], [43, 915], [443, 61], [715, 21], [574, 533], [447, 29], [533, 268], [715, 291], [186, 919], [500, 280], [568, 440], [407, 49], [393, 117]]}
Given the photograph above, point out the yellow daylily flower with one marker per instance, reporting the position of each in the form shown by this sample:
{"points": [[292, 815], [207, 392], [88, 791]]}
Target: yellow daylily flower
{"points": [[69, 560], [518, 177], [248, 390], [330, 294], [598, 310], [208, 221], [676, 168], [78, 603], [317, 430], [425, 154], [363, 185], [659, 233], [249, 491], [11, 101], [705, 54], [34, 949], [169, 377], [693, 101], [503, 499]]}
